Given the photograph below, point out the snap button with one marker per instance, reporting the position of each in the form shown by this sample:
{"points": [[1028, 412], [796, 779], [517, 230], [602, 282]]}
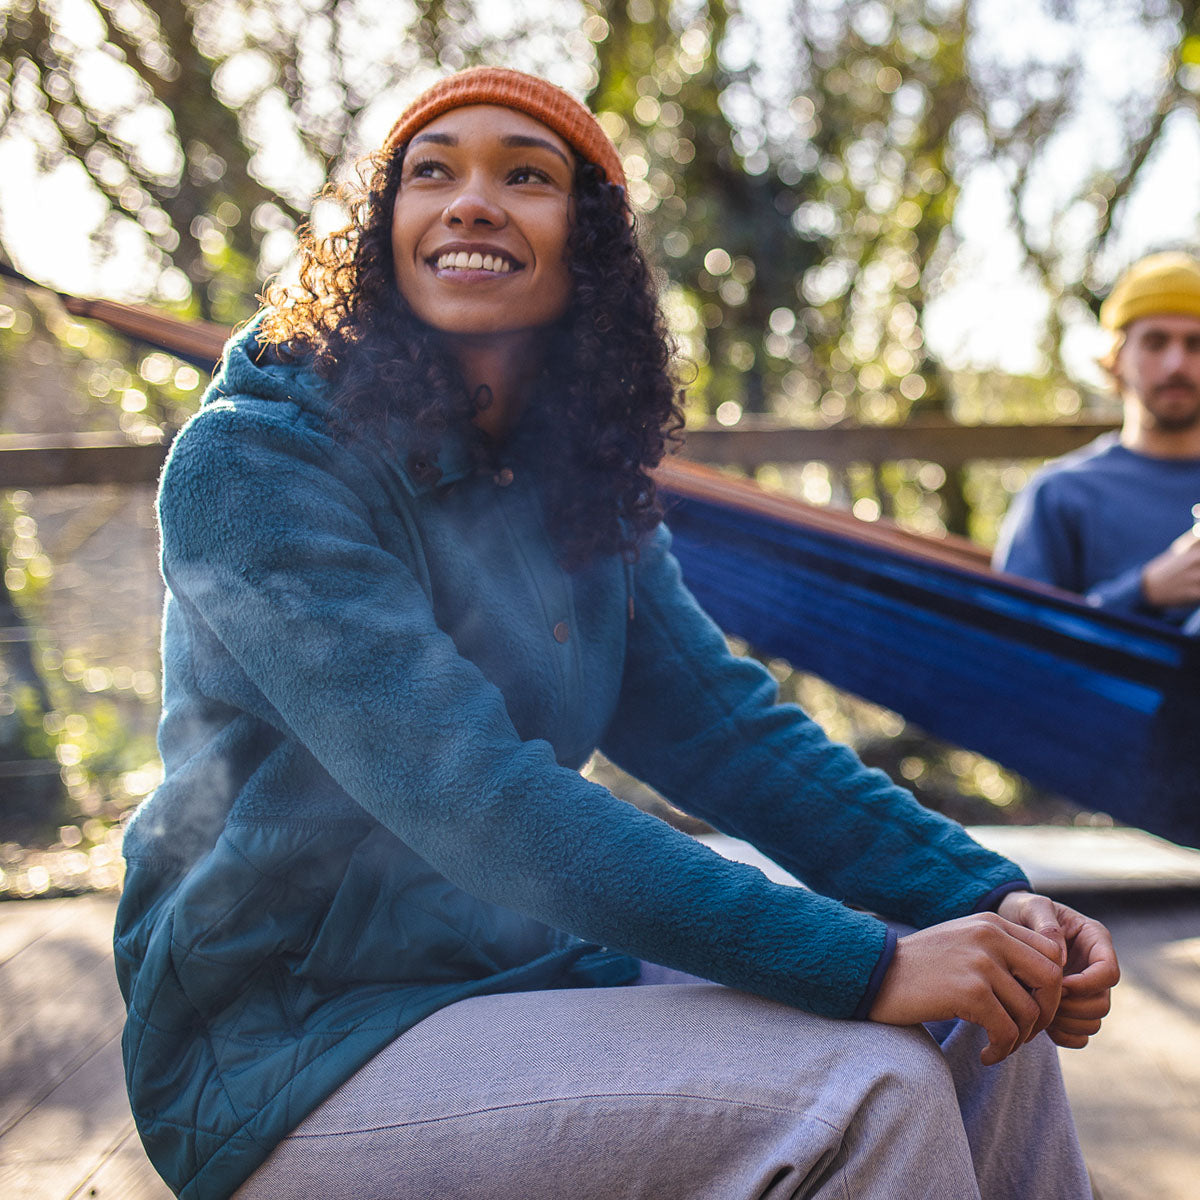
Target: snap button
{"points": [[423, 471], [503, 477], [562, 631]]}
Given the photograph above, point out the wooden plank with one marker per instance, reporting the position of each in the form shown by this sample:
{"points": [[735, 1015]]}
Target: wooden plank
{"points": [[65, 1126], [753, 442], [126, 1174], [24, 921], [1057, 860], [50, 1152], [50, 1030], [52, 1043], [107, 458], [193, 339], [62, 950], [1135, 1090], [60, 460], [1063, 859]]}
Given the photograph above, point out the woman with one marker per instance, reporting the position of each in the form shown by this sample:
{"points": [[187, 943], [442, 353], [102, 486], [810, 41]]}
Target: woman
{"points": [[379, 936]]}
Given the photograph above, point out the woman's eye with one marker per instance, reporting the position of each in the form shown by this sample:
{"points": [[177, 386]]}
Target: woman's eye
{"points": [[427, 169], [528, 175]]}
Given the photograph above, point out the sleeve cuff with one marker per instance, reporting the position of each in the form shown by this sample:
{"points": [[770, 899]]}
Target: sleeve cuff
{"points": [[884, 961], [990, 901], [1122, 594]]}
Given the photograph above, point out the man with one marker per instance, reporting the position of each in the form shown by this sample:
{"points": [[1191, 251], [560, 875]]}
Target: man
{"points": [[1114, 520]]}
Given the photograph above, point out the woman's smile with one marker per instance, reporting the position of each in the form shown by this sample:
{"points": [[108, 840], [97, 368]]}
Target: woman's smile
{"points": [[472, 264]]}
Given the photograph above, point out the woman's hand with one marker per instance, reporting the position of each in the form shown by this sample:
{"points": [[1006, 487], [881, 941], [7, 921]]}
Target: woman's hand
{"points": [[993, 972], [1090, 970]]}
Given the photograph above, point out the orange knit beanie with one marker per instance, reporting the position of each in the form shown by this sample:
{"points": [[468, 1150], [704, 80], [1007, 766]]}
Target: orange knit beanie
{"points": [[526, 93]]}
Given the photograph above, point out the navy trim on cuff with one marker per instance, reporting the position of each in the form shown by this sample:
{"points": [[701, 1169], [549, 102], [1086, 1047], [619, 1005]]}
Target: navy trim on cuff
{"points": [[991, 901], [884, 961]]}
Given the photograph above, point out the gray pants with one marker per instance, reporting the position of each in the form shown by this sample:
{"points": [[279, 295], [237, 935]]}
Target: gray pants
{"points": [[692, 1092]]}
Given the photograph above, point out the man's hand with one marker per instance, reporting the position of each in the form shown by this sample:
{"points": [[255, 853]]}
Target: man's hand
{"points": [[1090, 969], [1173, 578], [996, 973]]}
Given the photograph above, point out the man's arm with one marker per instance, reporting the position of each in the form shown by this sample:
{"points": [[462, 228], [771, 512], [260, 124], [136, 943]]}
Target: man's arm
{"points": [[1172, 578], [1038, 538]]}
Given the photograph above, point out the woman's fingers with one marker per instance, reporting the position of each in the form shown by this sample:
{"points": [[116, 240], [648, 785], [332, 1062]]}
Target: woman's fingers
{"points": [[1076, 1026], [1013, 1019], [1077, 1020], [1069, 1041], [1045, 945], [1036, 965], [1099, 976], [1001, 976], [1091, 957], [1039, 913], [1032, 960], [1088, 1006], [1073, 1038], [1090, 968]]}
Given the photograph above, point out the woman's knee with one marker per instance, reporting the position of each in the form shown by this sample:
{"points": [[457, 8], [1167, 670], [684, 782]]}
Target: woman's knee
{"points": [[906, 1056]]}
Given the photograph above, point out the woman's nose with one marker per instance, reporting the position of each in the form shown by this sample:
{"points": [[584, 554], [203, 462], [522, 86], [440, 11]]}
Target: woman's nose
{"points": [[473, 204]]}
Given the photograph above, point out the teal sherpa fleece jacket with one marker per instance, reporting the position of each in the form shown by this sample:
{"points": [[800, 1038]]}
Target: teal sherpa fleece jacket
{"points": [[378, 693]]}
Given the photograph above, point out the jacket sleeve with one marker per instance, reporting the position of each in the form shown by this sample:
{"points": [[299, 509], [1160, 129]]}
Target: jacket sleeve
{"points": [[268, 541], [703, 725], [1123, 594], [1039, 540]]}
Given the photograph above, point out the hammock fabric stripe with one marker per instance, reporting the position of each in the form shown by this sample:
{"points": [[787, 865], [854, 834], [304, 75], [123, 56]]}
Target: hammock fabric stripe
{"points": [[1101, 708], [1104, 709]]}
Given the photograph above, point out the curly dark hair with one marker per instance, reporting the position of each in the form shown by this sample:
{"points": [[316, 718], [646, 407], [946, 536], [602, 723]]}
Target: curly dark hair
{"points": [[605, 403]]}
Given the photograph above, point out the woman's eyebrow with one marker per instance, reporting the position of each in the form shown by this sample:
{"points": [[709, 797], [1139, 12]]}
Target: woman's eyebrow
{"points": [[528, 140], [442, 139]]}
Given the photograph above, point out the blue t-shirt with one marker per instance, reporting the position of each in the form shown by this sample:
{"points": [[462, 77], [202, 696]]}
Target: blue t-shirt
{"points": [[1091, 520]]}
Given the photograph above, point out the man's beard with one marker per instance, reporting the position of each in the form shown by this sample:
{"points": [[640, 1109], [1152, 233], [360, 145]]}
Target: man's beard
{"points": [[1175, 422]]}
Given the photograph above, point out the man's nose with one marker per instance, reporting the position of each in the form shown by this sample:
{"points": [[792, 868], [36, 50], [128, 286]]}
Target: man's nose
{"points": [[1174, 355], [473, 204]]}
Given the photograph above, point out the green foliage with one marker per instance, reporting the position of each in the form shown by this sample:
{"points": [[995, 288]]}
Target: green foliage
{"points": [[85, 724], [715, 202], [33, 797]]}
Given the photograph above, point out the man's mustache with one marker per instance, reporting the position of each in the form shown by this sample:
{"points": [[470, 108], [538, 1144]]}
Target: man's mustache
{"points": [[1176, 381]]}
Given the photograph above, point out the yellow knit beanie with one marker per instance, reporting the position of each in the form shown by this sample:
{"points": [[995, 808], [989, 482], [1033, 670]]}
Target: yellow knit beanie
{"points": [[1158, 285], [526, 93]]}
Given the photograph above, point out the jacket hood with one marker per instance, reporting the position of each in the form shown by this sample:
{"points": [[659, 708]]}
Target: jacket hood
{"points": [[250, 368]]}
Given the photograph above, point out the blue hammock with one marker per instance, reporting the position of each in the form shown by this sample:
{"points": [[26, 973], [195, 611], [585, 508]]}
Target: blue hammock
{"points": [[1101, 708]]}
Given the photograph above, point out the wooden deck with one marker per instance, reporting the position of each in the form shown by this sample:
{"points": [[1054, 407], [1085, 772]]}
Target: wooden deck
{"points": [[66, 1133], [65, 1128]]}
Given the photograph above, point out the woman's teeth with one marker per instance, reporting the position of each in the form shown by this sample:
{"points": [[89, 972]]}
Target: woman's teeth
{"points": [[462, 260]]}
